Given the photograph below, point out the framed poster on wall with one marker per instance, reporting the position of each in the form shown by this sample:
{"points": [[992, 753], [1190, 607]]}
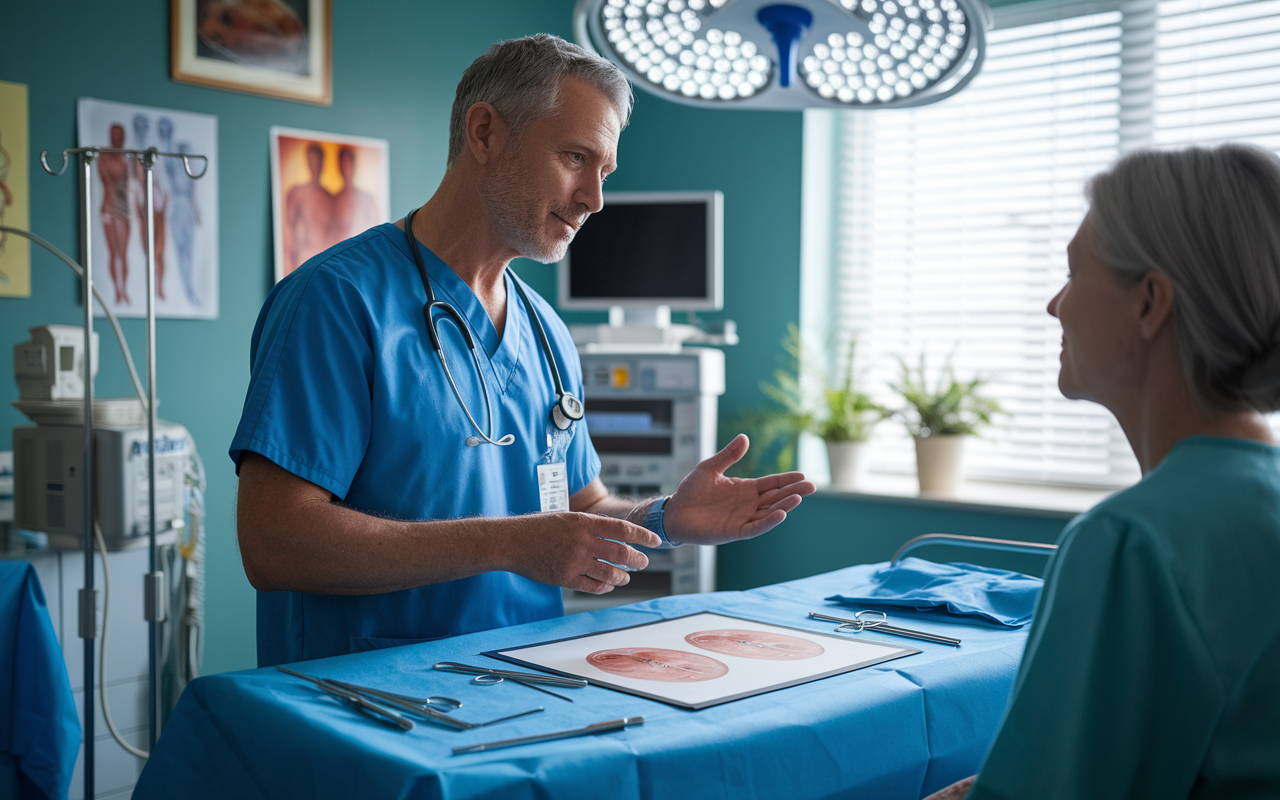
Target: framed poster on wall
{"points": [[274, 48], [15, 198], [186, 210], [325, 187]]}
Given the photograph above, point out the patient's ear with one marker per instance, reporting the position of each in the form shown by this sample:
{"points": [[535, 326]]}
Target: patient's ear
{"points": [[1156, 296]]}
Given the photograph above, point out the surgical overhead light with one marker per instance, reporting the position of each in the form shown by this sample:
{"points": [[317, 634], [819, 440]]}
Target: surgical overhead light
{"points": [[817, 53]]}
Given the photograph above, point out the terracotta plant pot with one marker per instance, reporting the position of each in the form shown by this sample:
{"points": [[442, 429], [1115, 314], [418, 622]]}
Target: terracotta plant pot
{"points": [[938, 463], [848, 462]]}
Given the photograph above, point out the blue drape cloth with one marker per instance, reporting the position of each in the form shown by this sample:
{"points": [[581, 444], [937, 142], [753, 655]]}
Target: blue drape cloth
{"points": [[898, 730], [996, 595], [39, 728]]}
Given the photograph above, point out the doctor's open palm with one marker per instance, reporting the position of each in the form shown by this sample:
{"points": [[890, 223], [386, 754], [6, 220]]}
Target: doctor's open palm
{"points": [[712, 508]]}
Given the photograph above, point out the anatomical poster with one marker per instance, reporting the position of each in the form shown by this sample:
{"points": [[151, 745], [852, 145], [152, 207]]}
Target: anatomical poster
{"points": [[703, 660], [185, 209], [15, 200]]}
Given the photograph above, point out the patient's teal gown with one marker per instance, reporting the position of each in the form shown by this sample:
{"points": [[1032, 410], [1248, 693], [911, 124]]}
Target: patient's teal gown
{"points": [[1152, 669]]}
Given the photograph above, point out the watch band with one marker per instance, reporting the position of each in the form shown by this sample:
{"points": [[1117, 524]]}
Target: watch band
{"points": [[653, 520]]}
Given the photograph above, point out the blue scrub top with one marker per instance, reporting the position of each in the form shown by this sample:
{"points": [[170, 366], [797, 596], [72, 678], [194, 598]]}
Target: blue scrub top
{"points": [[347, 393], [1152, 669]]}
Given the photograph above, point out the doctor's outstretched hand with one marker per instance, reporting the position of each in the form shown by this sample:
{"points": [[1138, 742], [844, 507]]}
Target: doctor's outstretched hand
{"points": [[711, 508]]}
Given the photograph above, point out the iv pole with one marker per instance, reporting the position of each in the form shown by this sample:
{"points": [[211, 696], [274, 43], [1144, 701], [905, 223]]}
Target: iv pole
{"points": [[154, 582]]}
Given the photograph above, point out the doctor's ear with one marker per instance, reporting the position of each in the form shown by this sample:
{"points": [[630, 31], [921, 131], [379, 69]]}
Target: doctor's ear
{"points": [[486, 132], [1157, 298]]}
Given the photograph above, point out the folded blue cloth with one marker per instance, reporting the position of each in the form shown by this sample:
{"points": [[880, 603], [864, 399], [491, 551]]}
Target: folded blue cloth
{"points": [[1007, 598]]}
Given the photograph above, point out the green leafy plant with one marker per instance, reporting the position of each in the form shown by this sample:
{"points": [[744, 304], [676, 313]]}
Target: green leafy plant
{"points": [[807, 402], [948, 408]]}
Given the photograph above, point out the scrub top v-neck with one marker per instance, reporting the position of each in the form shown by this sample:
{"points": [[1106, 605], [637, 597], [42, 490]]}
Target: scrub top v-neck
{"points": [[347, 393]]}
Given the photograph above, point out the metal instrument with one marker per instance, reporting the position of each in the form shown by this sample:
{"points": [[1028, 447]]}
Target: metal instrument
{"points": [[490, 677], [858, 625], [361, 703], [608, 726], [418, 706]]}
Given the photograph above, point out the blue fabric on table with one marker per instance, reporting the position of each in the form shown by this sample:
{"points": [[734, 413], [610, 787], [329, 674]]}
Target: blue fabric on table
{"points": [[996, 595], [39, 729], [894, 731]]}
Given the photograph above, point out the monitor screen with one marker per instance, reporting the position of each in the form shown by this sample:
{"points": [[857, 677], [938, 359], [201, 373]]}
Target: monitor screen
{"points": [[646, 249]]}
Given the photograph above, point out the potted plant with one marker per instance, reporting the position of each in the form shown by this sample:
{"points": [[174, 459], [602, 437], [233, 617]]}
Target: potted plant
{"points": [[939, 419], [838, 412]]}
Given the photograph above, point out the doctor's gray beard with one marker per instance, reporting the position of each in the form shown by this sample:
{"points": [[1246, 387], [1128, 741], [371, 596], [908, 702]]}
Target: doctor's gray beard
{"points": [[515, 205]]}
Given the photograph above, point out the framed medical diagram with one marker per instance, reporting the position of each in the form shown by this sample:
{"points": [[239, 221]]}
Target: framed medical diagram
{"points": [[186, 209], [274, 48], [15, 196], [702, 660], [325, 187]]}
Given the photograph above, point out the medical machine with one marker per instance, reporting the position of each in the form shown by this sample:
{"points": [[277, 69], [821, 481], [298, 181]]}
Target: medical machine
{"points": [[643, 255], [51, 365], [49, 496], [652, 418]]}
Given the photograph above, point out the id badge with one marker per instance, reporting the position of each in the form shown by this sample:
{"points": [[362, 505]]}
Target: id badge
{"points": [[553, 473], [553, 487]]}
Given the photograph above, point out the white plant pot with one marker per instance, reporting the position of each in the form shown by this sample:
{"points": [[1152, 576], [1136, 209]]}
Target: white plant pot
{"points": [[938, 464], [848, 462]]}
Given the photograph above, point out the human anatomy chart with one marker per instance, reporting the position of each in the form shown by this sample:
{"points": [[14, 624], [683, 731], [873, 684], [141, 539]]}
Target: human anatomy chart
{"points": [[704, 659]]}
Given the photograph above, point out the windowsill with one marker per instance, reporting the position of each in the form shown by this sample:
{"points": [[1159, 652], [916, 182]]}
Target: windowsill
{"points": [[991, 497]]}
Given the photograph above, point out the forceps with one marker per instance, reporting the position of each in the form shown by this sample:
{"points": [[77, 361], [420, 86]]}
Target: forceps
{"points": [[414, 704], [858, 625]]}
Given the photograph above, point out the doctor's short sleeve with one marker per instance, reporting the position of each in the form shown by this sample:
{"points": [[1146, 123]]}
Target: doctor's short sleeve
{"points": [[1117, 695], [308, 406]]}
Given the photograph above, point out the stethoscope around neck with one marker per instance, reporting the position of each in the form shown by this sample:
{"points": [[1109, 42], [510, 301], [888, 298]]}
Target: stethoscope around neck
{"points": [[567, 408]]}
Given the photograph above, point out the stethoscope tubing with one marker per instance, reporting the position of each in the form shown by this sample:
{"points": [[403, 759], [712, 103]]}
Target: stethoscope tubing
{"points": [[569, 406]]}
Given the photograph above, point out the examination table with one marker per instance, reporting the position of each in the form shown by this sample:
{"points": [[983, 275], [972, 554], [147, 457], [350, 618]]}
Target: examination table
{"points": [[901, 729]]}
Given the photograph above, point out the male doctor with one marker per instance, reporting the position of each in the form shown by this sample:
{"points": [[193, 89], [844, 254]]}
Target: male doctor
{"points": [[378, 502]]}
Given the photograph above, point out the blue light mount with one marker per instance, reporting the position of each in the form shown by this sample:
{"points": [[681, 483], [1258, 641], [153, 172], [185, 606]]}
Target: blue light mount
{"points": [[787, 24], [855, 54]]}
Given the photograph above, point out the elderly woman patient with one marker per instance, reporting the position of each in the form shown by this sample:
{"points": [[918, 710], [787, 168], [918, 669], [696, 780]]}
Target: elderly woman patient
{"points": [[1153, 664]]}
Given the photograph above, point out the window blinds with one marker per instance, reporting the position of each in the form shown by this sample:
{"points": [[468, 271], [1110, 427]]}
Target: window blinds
{"points": [[953, 219]]}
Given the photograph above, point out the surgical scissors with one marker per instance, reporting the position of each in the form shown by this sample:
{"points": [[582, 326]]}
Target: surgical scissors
{"points": [[858, 625]]}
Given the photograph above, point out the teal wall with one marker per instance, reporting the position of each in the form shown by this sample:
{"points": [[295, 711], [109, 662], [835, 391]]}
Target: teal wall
{"points": [[396, 63]]}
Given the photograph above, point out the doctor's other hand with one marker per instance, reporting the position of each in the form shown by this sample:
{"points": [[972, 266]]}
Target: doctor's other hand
{"points": [[711, 508], [569, 549]]}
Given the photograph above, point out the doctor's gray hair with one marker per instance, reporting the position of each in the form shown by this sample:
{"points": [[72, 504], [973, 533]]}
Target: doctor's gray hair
{"points": [[521, 79], [1209, 221]]}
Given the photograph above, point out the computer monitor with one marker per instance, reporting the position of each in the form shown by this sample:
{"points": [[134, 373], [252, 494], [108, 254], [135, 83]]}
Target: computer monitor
{"points": [[648, 249]]}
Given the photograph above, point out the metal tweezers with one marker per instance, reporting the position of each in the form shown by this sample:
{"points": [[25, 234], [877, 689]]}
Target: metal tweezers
{"points": [[363, 704]]}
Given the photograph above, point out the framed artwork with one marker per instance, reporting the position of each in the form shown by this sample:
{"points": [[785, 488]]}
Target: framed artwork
{"points": [[15, 196], [274, 48], [186, 210], [703, 660], [325, 187]]}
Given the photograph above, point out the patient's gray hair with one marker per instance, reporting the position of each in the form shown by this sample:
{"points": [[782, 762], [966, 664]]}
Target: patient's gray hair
{"points": [[1209, 220], [521, 79]]}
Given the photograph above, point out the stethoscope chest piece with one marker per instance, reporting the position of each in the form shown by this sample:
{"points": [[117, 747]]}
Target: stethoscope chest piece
{"points": [[566, 411]]}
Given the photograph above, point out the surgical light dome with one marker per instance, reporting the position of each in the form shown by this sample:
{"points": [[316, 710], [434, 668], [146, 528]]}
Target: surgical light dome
{"points": [[819, 53]]}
